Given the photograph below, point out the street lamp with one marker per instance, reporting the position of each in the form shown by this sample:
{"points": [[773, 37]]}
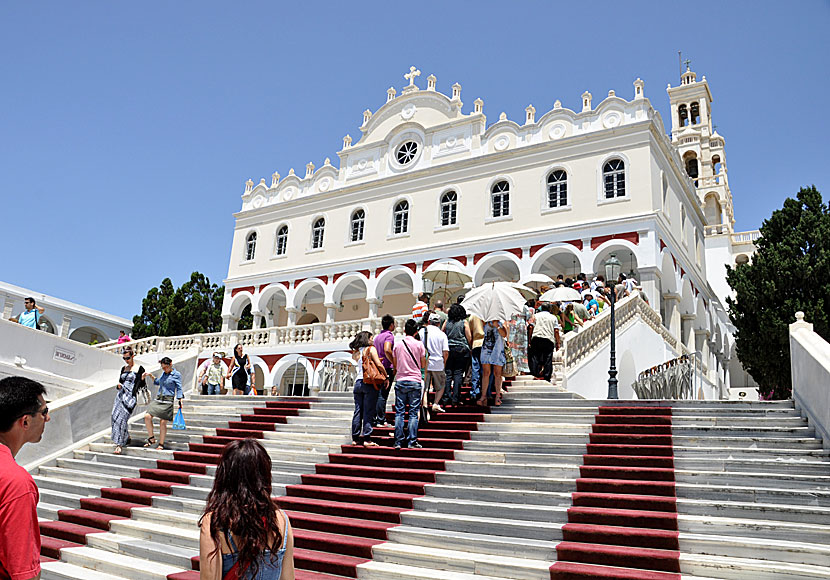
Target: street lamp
{"points": [[612, 273]]}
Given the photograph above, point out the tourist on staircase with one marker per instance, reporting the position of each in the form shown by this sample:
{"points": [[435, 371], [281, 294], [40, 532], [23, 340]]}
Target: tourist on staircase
{"points": [[23, 416], [243, 534], [130, 382], [545, 340], [437, 347], [477, 332], [365, 394], [492, 360], [383, 344], [409, 359], [517, 337], [212, 374], [170, 387], [239, 370], [459, 339]]}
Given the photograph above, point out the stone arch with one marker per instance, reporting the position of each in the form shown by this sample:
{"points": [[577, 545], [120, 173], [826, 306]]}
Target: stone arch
{"points": [[313, 286], [238, 304], [345, 282], [668, 274], [390, 274], [45, 324], [395, 288], [338, 356], [87, 334], [499, 265], [702, 320], [269, 300], [626, 252], [712, 208], [555, 259], [293, 373]]}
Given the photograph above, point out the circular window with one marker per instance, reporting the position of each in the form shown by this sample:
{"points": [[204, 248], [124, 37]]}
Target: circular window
{"points": [[406, 152]]}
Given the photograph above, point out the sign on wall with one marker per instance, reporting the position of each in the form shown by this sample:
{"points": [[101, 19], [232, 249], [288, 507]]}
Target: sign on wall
{"points": [[64, 355]]}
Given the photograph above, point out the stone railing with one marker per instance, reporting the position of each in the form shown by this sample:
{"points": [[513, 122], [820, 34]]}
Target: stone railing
{"points": [[318, 333], [578, 345], [746, 237], [810, 371], [716, 229]]}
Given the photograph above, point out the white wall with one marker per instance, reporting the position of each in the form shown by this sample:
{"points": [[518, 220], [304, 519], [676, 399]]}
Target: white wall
{"points": [[52, 354], [810, 367], [638, 348]]}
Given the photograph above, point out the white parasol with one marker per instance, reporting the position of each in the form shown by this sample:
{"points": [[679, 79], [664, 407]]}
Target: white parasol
{"points": [[537, 280], [561, 294], [527, 293], [447, 274], [494, 301]]}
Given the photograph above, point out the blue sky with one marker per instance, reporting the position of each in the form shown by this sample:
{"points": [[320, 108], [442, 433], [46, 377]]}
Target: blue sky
{"points": [[128, 129]]}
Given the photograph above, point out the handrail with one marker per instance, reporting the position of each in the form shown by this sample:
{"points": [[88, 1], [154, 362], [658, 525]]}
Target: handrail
{"points": [[317, 333]]}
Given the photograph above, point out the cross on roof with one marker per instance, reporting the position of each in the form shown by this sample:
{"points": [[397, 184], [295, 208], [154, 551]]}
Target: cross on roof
{"points": [[410, 76], [687, 62]]}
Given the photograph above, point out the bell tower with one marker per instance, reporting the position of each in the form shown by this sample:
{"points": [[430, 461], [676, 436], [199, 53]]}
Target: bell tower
{"points": [[702, 149]]}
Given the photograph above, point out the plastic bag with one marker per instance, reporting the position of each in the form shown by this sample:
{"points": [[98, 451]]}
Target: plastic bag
{"points": [[178, 420]]}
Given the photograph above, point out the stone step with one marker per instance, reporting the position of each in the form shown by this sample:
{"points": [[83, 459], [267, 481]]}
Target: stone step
{"points": [[59, 570], [143, 548], [732, 568], [467, 562], [123, 566], [162, 533], [388, 571], [484, 543]]}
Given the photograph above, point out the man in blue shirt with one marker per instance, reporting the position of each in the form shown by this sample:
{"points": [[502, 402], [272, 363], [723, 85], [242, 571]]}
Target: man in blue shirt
{"points": [[30, 316]]}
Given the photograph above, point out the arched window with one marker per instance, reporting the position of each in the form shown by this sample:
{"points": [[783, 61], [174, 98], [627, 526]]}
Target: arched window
{"points": [[449, 209], [317, 231], [500, 199], [683, 115], [694, 113], [613, 173], [250, 246], [357, 224], [282, 240], [400, 217], [691, 167], [557, 189]]}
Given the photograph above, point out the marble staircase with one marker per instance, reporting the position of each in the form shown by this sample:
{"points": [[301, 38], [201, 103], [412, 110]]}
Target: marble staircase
{"points": [[548, 485]]}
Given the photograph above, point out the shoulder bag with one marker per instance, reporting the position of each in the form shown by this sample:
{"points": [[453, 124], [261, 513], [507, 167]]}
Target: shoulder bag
{"points": [[372, 374]]}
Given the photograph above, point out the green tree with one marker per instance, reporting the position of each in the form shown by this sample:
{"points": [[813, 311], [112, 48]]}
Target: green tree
{"points": [[790, 271], [193, 308]]}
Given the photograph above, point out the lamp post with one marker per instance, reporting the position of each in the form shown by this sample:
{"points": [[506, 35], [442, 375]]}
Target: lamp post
{"points": [[612, 273]]}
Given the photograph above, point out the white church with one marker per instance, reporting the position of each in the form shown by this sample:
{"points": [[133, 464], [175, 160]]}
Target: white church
{"points": [[318, 256]]}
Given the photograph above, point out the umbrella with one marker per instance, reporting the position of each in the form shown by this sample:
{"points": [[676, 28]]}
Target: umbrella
{"points": [[527, 293], [447, 274], [536, 281], [561, 294], [494, 301]]}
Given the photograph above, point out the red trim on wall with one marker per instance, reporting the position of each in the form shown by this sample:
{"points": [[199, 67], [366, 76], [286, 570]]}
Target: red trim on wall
{"points": [[534, 249], [575, 243], [462, 259], [682, 272], [477, 257], [428, 263], [632, 237], [297, 281], [236, 291], [411, 266], [379, 270], [365, 273], [662, 245], [516, 252]]}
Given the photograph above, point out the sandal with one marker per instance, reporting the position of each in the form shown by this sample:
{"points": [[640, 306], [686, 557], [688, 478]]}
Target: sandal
{"points": [[160, 447], [370, 444], [117, 450], [150, 442], [498, 402]]}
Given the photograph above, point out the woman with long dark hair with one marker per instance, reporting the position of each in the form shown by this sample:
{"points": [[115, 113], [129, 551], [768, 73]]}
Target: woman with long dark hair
{"points": [[459, 339], [239, 370], [242, 527], [365, 395]]}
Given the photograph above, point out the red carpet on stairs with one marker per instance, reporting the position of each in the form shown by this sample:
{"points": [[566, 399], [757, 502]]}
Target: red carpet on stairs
{"points": [[623, 522], [338, 513]]}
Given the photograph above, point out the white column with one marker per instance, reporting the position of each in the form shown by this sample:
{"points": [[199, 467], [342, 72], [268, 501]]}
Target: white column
{"points": [[8, 308], [672, 321], [226, 322], [331, 312], [688, 338], [257, 320], [63, 331], [292, 315], [374, 307], [648, 280]]}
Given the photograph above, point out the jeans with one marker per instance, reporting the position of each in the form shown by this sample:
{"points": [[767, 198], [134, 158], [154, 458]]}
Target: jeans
{"points": [[475, 387], [383, 396], [365, 403], [214, 389], [456, 365], [407, 393]]}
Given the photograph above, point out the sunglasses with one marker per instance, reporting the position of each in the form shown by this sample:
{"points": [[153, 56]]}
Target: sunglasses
{"points": [[44, 412]]}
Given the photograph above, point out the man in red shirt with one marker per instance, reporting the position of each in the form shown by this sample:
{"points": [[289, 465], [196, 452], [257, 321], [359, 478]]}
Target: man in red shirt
{"points": [[23, 416]]}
